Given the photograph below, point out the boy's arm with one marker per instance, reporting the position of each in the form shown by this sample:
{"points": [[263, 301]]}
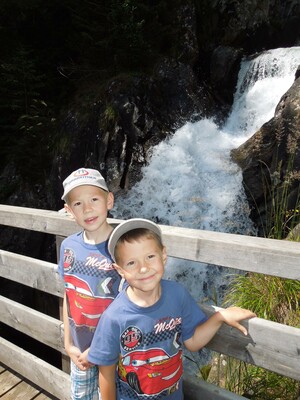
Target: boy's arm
{"points": [[107, 382], [67, 334], [72, 351], [207, 330]]}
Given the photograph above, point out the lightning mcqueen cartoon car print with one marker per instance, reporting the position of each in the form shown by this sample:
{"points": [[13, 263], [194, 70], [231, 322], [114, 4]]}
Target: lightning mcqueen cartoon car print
{"points": [[151, 371], [85, 308]]}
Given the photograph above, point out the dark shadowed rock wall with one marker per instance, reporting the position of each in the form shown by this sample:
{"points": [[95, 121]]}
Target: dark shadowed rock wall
{"points": [[112, 126], [116, 129]]}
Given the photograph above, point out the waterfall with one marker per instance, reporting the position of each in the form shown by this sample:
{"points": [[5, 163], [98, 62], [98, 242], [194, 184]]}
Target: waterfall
{"points": [[261, 83], [190, 180]]}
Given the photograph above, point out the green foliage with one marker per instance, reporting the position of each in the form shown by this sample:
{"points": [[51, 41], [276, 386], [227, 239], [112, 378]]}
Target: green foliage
{"points": [[110, 117], [281, 194], [35, 149], [202, 371], [275, 299], [281, 216], [50, 48], [261, 384], [26, 117], [20, 87], [253, 382], [118, 35], [110, 114], [127, 35], [270, 297]]}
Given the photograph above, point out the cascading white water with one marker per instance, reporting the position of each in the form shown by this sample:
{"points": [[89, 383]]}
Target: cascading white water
{"points": [[190, 180], [262, 81]]}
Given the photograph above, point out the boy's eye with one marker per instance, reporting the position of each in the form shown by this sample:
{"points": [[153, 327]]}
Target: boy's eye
{"points": [[130, 264], [95, 199], [151, 256], [76, 204]]}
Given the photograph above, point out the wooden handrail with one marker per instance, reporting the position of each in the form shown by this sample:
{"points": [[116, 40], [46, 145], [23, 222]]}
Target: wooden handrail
{"points": [[270, 345], [248, 253]]}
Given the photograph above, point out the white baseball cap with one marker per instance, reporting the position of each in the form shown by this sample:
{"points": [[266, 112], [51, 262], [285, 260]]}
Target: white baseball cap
{"points": [[83, 176], [129, 225]]}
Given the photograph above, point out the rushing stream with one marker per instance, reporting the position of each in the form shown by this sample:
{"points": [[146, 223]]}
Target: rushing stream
{"points": [[190, 180]]}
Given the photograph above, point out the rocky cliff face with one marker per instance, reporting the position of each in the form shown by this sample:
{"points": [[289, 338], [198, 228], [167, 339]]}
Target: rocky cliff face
{"points": [[270, 161], [113, 127]]}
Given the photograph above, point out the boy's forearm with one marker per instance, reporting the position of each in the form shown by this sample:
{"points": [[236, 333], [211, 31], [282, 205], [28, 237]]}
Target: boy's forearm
{"points": [[107, 382], [67, 334], [204, 333]]}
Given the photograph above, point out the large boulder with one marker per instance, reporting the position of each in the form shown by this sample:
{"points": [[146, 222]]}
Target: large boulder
{"points": [[270, 161]]}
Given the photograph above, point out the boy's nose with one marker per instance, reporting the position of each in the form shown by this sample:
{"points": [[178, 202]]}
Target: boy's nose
{"points": [[86, 207], [144, 267]]}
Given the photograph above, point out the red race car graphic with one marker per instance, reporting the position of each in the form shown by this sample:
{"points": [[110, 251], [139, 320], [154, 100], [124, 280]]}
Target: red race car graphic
{"points": [[84, 307], [151, 371]]}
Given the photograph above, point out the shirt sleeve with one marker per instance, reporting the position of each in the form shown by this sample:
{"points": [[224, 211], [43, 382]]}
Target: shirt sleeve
{"points": [[60, 268], [105, 346]]}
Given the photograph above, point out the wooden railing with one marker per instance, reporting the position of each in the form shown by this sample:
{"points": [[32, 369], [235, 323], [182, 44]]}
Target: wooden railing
{"points": [[270, 345]]}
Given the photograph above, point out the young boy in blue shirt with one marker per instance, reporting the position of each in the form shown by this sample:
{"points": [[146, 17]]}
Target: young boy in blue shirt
{"points": [[91, 281], [143, 331]]}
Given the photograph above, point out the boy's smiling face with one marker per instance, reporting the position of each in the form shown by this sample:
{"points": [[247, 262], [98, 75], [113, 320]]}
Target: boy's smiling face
{"points": [[141, 262], [89, 205]]}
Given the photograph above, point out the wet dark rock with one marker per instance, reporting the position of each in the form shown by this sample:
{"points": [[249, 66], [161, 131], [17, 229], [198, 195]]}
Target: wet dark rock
{"points": [[270, 160], [114, 126]]}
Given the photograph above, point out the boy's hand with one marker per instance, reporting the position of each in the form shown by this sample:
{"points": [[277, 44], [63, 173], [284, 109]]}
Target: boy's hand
{"points": [[82, 359], [232, 315], [78, 358], [73, 353]]}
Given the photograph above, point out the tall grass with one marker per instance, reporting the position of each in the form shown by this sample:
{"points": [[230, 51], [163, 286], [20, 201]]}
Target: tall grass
{"points": [[270, 297], [281, 193], [253, 382]]}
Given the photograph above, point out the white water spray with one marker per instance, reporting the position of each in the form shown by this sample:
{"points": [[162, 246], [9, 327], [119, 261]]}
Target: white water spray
{"points": [[190, 180]]}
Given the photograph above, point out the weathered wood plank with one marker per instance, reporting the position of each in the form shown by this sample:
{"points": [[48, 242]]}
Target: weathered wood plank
{"points": [[37, 220], [8, 381], [270, 345], [43, 396], [46, 221], [264, 346], [20, 392], [33, 323], [196, 389], [193, 388], [31, 272], [267, 256], [51, 379], [248, 253]]}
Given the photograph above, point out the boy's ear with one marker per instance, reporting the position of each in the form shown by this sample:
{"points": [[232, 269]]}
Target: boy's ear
{"points": [[69, 211], [119, 270], [110, 200]]}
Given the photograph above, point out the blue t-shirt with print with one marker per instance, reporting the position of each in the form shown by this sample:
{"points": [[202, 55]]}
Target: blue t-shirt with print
{"points": [[91, 284], [146, 343]]}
